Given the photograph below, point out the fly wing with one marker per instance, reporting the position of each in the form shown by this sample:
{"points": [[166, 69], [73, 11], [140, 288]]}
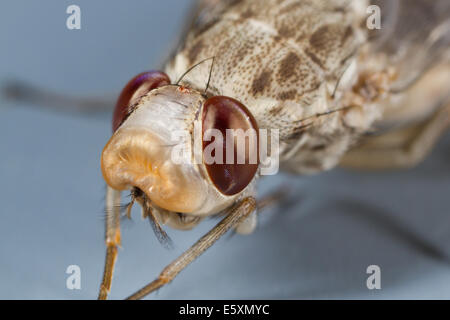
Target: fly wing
{"points": [[415, 40], [414, 35]]}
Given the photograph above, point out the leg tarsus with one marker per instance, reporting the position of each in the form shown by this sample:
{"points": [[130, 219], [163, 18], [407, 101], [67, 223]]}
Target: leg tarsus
{"points": [[110, 260], [112, 238]]}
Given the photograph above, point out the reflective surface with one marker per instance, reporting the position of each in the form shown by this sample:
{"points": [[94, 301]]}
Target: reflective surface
{"points": [[133, 90], [229, 173]]}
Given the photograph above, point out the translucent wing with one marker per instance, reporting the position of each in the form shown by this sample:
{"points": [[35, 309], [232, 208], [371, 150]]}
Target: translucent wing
{"points": [[415, 35], [414, 38]]}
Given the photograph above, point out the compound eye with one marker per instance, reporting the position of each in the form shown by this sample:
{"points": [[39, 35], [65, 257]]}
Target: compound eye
{"points": [[230, 144], [136, 88]]}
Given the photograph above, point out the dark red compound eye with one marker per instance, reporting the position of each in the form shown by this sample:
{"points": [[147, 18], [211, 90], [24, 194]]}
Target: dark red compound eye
{"points": [[222, 113], [136, 88]]}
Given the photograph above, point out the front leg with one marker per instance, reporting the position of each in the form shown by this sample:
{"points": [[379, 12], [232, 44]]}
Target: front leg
{"points": [[237, 214], [23, 92], [112, 239]]}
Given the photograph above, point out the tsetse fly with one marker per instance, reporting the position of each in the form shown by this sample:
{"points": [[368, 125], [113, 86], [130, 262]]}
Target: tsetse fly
{"points": [[335, 91]]}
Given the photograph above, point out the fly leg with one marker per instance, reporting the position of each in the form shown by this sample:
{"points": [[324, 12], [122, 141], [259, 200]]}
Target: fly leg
{"points": [[274, 198], [112, 239], [401, 149], [237, 214], [24, 92]]}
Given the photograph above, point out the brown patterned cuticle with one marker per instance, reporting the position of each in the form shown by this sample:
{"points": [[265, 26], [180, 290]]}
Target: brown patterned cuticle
{"points": [[262, 82], [288, 66]]}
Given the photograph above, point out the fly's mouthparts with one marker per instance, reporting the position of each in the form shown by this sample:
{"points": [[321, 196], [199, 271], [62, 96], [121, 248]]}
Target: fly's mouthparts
{"points": [[136, 158]]}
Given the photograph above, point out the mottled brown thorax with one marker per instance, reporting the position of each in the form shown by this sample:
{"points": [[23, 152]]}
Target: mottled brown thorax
{"points": [[283, 60]]}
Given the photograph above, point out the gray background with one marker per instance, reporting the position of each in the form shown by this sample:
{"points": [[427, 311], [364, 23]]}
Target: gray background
{"points": [[52, 192]]}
